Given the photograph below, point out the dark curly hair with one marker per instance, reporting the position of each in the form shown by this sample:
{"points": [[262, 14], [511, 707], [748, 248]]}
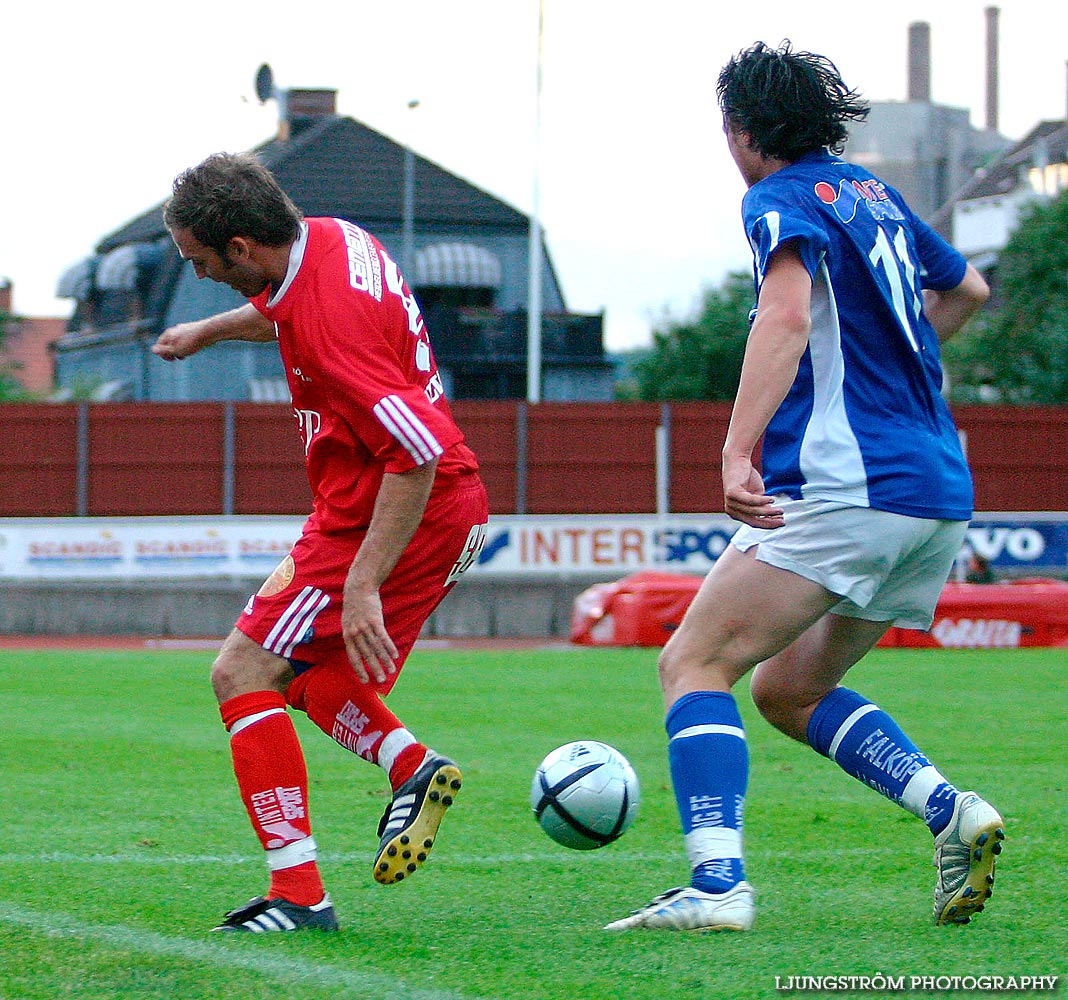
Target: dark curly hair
{"points": [[228, 195], [788, 103]]}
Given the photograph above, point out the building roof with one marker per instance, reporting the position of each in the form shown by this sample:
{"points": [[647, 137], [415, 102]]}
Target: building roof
{"points": [[1047, 141], [338, 166]]}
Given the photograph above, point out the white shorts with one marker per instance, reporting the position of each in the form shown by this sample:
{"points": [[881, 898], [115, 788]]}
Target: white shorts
{"points": [[885, 567]]}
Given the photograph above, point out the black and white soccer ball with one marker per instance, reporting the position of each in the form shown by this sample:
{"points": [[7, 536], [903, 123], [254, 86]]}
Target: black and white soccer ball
{"points": [[585, 795]]}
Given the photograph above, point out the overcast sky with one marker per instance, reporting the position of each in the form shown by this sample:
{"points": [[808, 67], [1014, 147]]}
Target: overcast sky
{"points": [[105, 102]]}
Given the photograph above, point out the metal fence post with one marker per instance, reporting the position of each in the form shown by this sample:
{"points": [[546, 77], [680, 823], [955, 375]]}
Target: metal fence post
{"points": [[228, 471], [663, 461], [521, 457], [81, 501]]}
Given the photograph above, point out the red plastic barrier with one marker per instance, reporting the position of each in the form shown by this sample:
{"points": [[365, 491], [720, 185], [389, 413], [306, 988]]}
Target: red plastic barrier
{"points": [[985, 615], [645, 608], [640, 610]]}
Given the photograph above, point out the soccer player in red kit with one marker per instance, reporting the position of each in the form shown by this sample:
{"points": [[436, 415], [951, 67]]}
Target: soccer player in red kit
{"points": [[399, 513]]}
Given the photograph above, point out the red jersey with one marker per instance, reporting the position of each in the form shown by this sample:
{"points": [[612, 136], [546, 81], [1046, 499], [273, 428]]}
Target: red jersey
{"points": [[366, 392]]}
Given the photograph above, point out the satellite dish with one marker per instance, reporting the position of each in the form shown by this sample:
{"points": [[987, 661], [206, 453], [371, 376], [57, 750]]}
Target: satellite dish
{"points": [[264, 83]]}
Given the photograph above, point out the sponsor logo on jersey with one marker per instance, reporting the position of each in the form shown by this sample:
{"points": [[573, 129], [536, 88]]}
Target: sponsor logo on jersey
{"points": [[365, 269], [434, 388], [849, 195], [309, 422]]}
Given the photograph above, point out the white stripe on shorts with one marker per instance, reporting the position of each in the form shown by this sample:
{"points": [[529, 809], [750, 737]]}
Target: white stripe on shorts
{"points": [[295, 620]]}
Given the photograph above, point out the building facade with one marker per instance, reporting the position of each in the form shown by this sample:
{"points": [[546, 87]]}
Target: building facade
{"points": [[25, 350], [464, 251]]}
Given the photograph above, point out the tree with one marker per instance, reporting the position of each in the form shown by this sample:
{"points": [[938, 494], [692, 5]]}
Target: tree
{"points": [[10, 387], [1017, 351], [699, 358]]}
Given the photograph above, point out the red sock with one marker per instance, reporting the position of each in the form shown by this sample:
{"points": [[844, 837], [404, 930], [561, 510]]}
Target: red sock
{"points": [[273, 782], [406, 764], [356, 717], [301, 884]]}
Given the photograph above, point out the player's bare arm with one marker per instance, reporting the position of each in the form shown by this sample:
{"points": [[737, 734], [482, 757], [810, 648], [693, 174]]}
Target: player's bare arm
{"points": [[772, 353], [243, 323], [949, 311], [399, 508]]}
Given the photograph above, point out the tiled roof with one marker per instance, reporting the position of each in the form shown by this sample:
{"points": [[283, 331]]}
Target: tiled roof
{"points": [[339, 166]]}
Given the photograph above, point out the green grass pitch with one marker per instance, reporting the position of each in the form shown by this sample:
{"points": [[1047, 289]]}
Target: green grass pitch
{"points": [[122, 838]]}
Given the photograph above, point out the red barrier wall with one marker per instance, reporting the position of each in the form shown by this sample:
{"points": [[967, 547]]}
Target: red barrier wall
{"points": [[147, 459], [697, 433], [593, 458], [1019, 456], [38, 460], [269, 473], [582, 458], [491, 428], [645, 608]]}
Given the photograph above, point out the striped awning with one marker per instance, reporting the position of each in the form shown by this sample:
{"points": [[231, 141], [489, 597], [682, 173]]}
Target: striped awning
{"points": [[77, 281], [268, 390], [124, 266], [457, 265]]}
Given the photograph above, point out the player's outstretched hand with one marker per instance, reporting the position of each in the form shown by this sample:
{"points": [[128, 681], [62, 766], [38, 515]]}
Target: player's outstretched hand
{"points": [[371, 651], [744, 498], [180, 341]]}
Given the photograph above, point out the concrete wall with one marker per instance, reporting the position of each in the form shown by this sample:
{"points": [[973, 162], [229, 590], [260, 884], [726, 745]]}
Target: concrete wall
{"points": [[495, 607]]}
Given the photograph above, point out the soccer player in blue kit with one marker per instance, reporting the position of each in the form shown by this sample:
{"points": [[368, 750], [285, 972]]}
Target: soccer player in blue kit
{"points": [[858, 510]]}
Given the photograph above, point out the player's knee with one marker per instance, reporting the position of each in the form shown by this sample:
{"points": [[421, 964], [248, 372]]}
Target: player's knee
{"points": [[240, 671], [683, 667], [772, 698], [667, 667], [780, 704], [768, 698], [226, 676]]}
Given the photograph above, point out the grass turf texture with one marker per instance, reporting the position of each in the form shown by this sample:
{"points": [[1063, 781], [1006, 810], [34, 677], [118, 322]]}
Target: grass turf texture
{"points": [[124, 841]]}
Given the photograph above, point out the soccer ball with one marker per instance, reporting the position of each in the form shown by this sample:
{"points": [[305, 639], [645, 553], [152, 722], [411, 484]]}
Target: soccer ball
{"points": [[585, 795]]}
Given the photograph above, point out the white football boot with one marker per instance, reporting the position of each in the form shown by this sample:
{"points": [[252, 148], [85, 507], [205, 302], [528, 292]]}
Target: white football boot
{"points": [[965, 852], [689, 909]]}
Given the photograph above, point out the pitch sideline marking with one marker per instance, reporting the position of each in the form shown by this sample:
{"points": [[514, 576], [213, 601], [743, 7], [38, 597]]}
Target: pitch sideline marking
{"points": [[342, 858], [289, 969]]}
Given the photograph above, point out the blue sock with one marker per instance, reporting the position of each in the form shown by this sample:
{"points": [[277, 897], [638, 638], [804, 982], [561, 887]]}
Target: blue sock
{"points": [[710, 770], [867, 744]]}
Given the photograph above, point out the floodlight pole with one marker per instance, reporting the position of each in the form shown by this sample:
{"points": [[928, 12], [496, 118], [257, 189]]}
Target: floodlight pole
{"points": [[534, 249], [408, 209]]}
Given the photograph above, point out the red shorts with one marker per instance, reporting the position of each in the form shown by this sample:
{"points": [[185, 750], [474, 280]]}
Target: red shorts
{"points": [[296, 614]]}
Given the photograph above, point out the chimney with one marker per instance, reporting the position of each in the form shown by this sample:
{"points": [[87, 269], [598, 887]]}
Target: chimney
{"points": [[919, 61], [311, 103], [301, 108], [5, 296], [992, 68]]}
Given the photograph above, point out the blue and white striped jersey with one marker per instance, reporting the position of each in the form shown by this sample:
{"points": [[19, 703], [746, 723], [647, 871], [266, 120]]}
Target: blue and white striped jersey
{"points": [[864, 422]]}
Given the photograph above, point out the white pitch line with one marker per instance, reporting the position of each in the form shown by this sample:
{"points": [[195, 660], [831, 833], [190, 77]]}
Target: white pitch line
{"points": [[327, 857], [560, 856], [291, 970]]}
